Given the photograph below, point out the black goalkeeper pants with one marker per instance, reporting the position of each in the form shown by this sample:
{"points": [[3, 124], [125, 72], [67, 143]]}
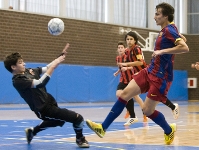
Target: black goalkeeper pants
{"points": [[53, 116]]}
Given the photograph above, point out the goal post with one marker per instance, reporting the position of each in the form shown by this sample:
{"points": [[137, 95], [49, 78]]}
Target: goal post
{"points": [[147, 44]]}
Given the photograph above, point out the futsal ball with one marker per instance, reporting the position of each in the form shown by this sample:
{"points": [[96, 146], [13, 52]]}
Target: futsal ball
{"points": [[55, 26]]}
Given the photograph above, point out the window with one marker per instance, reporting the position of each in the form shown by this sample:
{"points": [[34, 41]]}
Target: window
{"points": [[193, 17]]}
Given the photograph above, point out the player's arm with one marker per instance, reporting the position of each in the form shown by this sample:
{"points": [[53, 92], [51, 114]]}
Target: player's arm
{"points": [[126, 68], [64, 52], [181, 47], [46, 76], [139, 61], [49, 70], [196, 65], [117, 72], [183, 37], [131, 64]]}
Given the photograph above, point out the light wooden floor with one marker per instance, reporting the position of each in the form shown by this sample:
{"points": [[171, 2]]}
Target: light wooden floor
{"points": [[137, 136], [187, 127]]}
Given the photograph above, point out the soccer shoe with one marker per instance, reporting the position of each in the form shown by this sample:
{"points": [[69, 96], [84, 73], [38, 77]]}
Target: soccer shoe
{"points": [[82, 142], [131, 121], [176, 111], [170, 137], [29, 134], [96, 127], [127, 114], [145, 119]]}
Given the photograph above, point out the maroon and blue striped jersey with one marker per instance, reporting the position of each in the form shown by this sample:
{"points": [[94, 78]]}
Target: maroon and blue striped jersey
{"points": [[162, 65]]}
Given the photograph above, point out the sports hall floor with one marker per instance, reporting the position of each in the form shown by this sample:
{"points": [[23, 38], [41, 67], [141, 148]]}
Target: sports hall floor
{"points": [[139, 136]]}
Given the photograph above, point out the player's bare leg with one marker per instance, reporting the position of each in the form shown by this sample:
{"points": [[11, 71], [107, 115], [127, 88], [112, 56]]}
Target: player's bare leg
{"points": [[141, 103]]}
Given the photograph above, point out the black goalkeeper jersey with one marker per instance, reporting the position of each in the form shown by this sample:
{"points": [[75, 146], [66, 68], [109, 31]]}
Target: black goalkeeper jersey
{"points": [[36, 98]]}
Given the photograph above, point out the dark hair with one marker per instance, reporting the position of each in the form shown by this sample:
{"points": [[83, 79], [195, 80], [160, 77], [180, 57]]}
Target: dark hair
{"points": [[167, 10], [121, 43], [132, 34], [11, 60]]}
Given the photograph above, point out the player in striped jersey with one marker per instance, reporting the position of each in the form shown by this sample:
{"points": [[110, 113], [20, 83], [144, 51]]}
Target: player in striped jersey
{"points": [[135, 58], [126, 75], [155, 79]]}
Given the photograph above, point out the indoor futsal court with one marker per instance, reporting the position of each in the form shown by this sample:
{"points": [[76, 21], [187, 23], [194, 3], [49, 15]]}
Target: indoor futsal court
{"points": [[139, 136]]}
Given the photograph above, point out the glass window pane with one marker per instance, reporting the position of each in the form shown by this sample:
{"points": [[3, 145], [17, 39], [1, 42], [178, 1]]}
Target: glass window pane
{"points": [[93, 10], [193, 25], [193, 17], [193, 6], [50, 7], [130, 12]]}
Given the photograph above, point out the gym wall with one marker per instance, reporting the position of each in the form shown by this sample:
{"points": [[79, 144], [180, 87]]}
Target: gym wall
{"points": [[91, 44], [77, 83]]}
